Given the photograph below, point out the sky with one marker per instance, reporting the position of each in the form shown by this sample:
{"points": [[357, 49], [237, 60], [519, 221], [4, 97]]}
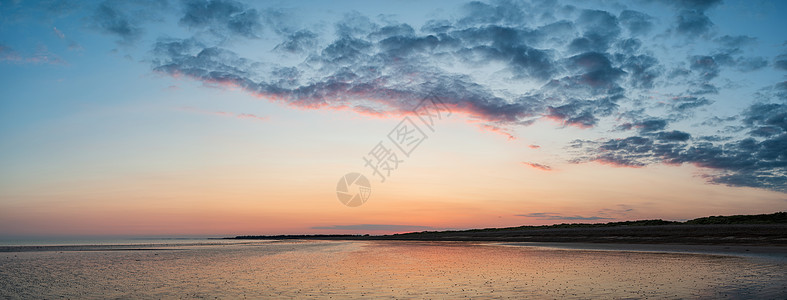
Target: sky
{"points": [[222, 117]]}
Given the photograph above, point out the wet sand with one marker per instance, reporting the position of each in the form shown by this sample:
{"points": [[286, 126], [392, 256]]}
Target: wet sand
{"points": [[386, 269], [772, 252], [777, 252]]}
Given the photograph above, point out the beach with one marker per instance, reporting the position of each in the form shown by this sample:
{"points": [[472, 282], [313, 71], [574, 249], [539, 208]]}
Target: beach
{"points": [[390, 269]]}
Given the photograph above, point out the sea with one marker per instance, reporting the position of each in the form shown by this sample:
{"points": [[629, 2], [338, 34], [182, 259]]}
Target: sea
{"points": [[235, 269]]}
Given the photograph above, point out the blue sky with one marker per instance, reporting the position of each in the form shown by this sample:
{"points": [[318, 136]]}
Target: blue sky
{"points": [[597, 107]]}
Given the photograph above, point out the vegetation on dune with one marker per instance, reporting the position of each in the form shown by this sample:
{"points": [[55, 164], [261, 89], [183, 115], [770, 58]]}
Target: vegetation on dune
{"points": [[774, 218]]}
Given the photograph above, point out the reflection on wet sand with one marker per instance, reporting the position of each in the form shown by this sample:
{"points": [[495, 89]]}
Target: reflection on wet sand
{"points": [[342, 269]]}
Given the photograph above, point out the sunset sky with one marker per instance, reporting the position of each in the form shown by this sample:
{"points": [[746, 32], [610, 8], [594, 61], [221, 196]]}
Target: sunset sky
{"points": [[218, 118]]}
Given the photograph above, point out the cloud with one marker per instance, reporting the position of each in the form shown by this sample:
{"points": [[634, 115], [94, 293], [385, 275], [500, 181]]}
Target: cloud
{"points": [[395, 65], [780, 62], [112, 19], [555, 216], [637, 23], [504, 12], [735, 42], [706, 66], [582, 113], [673, 136], [537, 166], [378, 227], [647, 125], [700, 5], [759, 161], [220, 15], [300, 41], [643, 70], [693, 23], [682, 104], [691, 19], [501, 64]]}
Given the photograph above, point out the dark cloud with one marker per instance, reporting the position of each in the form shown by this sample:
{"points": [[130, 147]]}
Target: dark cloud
{"points": [[642, 69], [759, 161], [555, 216], [693, 23], [593, 72], [673, 136], [222, 15], [599, 22], [583, 113], [683, 104], [378, 227], [705, 66], [599, 30], [703, 88], [113, 20], [730, 53], [780, 62], [741, 63], [355, 25], [505, 12], [437, 26], [637, 23], [735, 42], [651, 125], [766, 115], [717, 121], [479, 45], [781, 90], [751, 64], [627, 47], [300, 41], [700, 5]]}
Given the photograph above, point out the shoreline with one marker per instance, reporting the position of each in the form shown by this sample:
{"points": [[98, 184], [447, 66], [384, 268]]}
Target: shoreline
{"points": [[758, 251]]}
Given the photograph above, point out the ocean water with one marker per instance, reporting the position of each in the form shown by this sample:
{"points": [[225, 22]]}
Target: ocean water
{"points": [[382, 269], [113, 241]]}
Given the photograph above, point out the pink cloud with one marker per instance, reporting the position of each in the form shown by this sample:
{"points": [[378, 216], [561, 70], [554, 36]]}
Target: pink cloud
{"points": [[537, 166]]}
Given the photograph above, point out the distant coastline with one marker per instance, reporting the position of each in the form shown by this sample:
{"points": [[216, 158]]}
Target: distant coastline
{"points": [[755, 230]]}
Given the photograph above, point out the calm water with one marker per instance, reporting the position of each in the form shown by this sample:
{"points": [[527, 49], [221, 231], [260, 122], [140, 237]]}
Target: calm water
{"points": [[112, 241], [385, 269]]}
